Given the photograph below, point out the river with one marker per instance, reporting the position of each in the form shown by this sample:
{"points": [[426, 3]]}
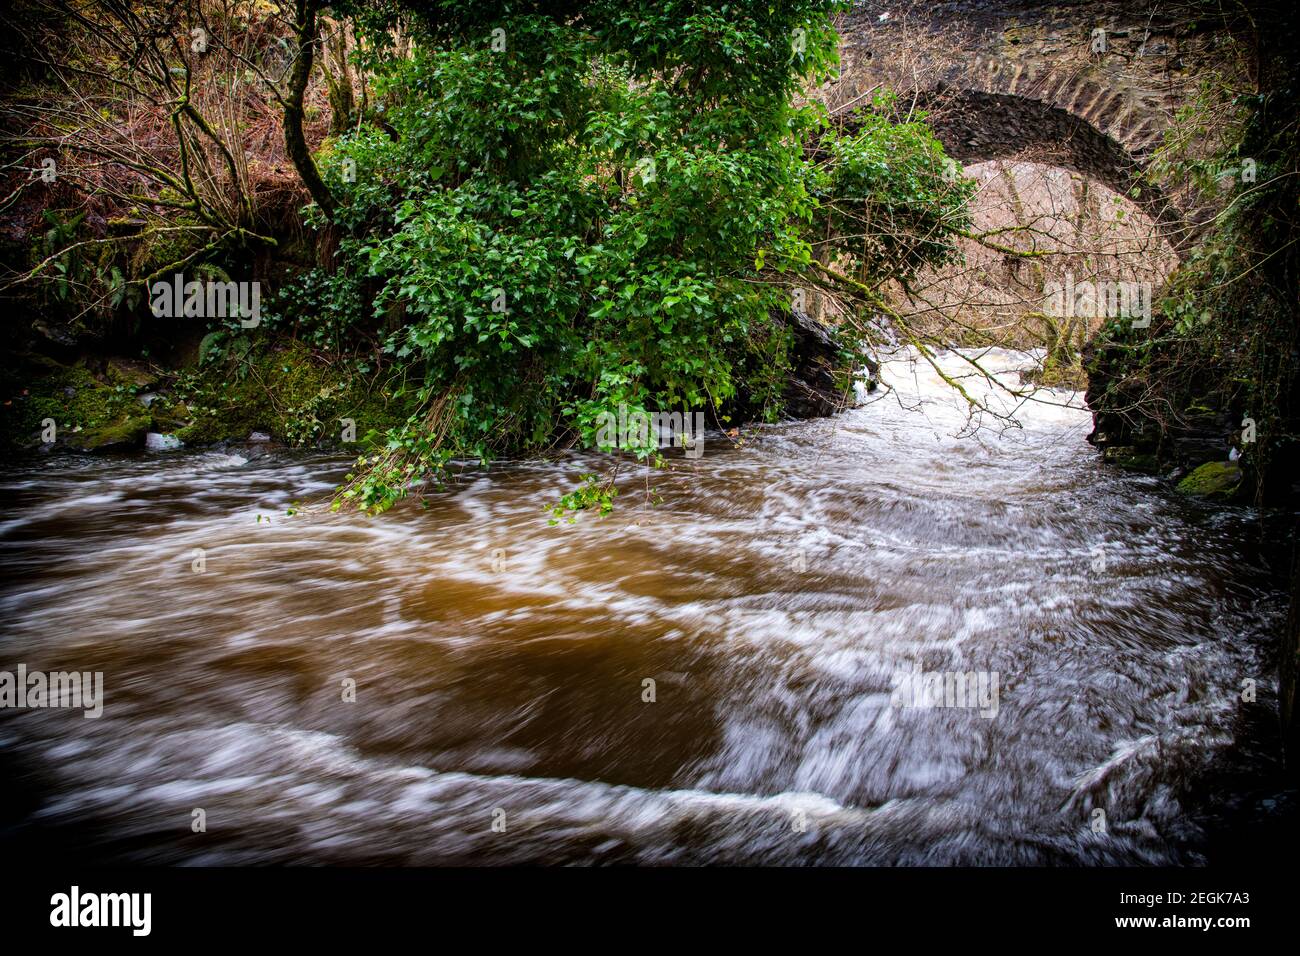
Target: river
{"points": [[713, 678]]}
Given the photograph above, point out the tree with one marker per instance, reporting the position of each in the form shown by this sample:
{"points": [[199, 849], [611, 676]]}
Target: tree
{"points": [[608, 206]]}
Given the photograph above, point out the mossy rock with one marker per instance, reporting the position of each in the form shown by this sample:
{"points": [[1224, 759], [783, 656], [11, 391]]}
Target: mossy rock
{"points": [[88, 414], [127, 431], [168, 417], [129, 372], [1214, 479], [289, 392], [283, 388], [1131, 458]]}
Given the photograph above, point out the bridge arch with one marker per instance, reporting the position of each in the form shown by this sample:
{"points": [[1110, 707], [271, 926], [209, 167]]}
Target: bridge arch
{"points": [[1087, 85], [979, 126]]}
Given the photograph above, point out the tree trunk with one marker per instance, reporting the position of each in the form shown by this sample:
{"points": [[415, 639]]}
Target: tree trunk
{"points": [[295, 141]]}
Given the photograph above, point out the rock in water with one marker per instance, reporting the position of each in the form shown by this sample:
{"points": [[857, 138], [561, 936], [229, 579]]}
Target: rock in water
{"points": [[820, 370], [1214, 479], [156, 441]]}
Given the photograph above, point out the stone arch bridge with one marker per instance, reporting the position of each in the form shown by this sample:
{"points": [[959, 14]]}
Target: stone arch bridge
{"points": [[1085, 85]]}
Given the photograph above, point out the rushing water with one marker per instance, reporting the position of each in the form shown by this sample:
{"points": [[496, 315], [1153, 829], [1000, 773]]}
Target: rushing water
{"points": [[775, 597]]}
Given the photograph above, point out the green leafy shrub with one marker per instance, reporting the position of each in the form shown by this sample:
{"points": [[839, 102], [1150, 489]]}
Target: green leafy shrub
{"points": [[600, 207]]}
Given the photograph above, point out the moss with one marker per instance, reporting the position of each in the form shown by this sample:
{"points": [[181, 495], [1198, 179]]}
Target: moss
{"points": [[1057, 375], [295, 394], [169, 415], [87, 412], [156, 250], [129, 373], [1214, 479], [127, 430], [289, 391], [1131, 458], [228, 410]]}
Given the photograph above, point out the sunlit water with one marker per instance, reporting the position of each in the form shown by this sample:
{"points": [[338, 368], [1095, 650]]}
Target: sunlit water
{"points": [[774, 597]]}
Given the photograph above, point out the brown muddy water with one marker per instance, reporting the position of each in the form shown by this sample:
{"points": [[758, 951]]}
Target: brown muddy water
{"points": [[778, 598]]}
